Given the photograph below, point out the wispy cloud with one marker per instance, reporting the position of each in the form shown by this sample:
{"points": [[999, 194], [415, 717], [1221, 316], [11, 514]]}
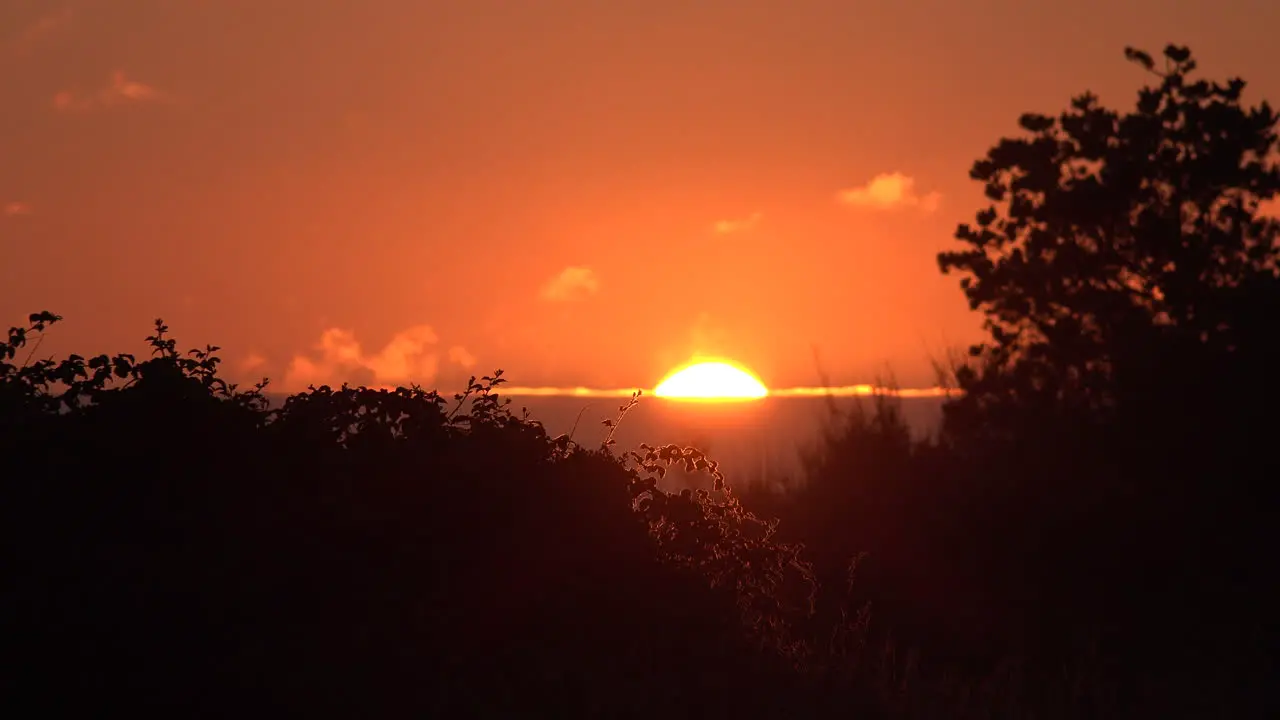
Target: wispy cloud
{"points": [[15, 208], [729, 227], [120, 90], [583, 392], [409, 357], [459, 355], [889, 191], [862, 391], [573, 283], [252, 363], [41, 29]]}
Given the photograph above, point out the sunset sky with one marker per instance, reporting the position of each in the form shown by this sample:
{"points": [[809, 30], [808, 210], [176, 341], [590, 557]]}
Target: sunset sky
{"points": [[582, 192]]}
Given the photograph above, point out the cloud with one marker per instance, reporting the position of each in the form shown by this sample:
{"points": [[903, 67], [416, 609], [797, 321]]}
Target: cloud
{"points": [[459, 355], [861, 391], [408, 358], [119, 91], [41, 29], [15, 208], [728, 227], [251, 362], [889, 191], [573, 283]]}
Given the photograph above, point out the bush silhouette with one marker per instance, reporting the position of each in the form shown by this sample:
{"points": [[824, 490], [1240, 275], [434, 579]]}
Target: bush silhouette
{"points": [[180, 545]]}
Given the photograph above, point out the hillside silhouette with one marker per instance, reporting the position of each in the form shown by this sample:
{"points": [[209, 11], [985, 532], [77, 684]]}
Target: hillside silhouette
{"points": [[1084, 537]]}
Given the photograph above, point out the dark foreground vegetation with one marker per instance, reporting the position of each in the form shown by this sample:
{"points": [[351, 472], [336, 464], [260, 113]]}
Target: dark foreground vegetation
{"points": [[1085, 537]]}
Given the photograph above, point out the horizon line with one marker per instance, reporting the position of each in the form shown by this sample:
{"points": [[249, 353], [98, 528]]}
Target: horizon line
{"points": [[860, 390]]}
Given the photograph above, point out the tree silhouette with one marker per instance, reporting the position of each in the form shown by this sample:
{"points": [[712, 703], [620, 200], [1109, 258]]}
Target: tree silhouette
{"points": [[1118, 242], [1123, 407]]}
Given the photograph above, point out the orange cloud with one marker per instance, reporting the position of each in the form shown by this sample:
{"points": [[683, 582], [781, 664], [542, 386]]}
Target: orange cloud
{"points": [[119, 91], [15, 208], [861, 391], [573, 283], [459, 355], [889, 191], [252, 362], [41, 29], [407, 358], [728, 227]]}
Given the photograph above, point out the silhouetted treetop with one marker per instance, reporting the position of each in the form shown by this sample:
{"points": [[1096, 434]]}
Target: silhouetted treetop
{"points": [[1110, 234]]}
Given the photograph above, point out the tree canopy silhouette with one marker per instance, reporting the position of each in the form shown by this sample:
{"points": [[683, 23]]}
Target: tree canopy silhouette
{"points": [[1129, 275], [1118, 242]]}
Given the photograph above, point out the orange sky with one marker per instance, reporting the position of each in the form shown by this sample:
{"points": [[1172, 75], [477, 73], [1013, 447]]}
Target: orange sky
{"points": [[582, 192]]}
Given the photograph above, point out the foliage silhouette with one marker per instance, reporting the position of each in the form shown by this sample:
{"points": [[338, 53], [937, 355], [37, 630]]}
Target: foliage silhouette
{"points": [[181, 545], [1081, 539], [1104, 472], [1118, 240], [1131, 285]]}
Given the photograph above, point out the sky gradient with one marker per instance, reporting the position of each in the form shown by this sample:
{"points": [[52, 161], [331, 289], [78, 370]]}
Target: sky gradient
{"points": [[582, 193]]}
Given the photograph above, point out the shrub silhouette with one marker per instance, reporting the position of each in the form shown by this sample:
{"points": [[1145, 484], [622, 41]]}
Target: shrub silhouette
{"points": [[178, 545]]}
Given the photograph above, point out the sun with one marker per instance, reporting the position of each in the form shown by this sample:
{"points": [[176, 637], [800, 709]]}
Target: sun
{"points": [[714, 381]]}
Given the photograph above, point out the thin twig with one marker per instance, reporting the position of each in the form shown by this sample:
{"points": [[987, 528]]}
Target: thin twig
{"points": [[32, 351], [574, 429]]}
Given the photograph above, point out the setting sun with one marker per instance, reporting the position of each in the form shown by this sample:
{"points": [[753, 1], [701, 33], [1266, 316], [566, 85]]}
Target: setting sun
{"points": [[711, 381]]}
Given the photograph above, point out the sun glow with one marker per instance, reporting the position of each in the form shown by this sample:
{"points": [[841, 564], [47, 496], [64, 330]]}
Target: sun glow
{"points": [[711, 381]]}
